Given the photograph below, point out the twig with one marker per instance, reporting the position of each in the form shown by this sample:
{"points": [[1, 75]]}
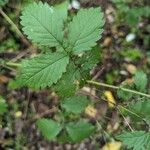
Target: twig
{"points": [[13, 25], [38, 116], [117, 87], [125, 120]]}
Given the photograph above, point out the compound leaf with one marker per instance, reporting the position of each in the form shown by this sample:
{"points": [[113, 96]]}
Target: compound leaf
{"points": [[43, 24], [75, 104], [85, 30], [43, 70], [138, 140], [80, 130], [49, 128]]}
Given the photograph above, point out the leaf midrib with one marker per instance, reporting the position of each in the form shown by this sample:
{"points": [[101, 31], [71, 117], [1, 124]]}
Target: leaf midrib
{"points": [[47, 30], [44, 68]]}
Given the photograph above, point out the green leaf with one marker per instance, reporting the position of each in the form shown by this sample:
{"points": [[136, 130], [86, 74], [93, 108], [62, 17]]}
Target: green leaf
{"points": [[140, 80], [3, 106], [89, 59], [76, 104], [66, 86], [138, 140], [49, 128], [123, 94], [43, 70], [142, 108], [80, 130], [43, 24], [85, 30], [62, 10]]}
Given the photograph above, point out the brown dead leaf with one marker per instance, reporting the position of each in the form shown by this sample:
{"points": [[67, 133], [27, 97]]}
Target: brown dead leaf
{"points": [[3, 79], [131, 68], [107, 42]]}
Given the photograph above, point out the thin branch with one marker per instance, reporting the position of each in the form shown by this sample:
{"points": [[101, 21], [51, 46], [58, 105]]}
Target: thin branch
{"points": [[38, 116], [117, 87], [13, 25], [126, 121]]}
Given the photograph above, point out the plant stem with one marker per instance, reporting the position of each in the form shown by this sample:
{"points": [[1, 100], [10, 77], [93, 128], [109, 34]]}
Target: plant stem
{"points": [[38, 116], [126, 121], [11, 23], [12, 64], [117, 87]]}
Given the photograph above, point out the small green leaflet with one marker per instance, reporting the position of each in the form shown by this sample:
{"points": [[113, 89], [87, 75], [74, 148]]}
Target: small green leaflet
{"points": [[89, 59], [76, 104], [140, 80], [66, 86], [3, 106], [80, 130], [49, 128], [43, 24], [85, 30], [138, 140], [43, 70]]}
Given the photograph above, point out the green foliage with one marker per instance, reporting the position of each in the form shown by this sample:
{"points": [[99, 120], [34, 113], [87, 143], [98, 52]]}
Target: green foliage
{"points": [[140, 83], [46, 69], [88, 60], [76, 104], [63, 67], [135, 14], [43, 70], [140, 80], [131, 54], [66, 86], [141, 108], [85, 30], [131, 15], [49, 128], [79, 131], [123, 94], [69, 52], [8, 44], [3, 106], [43, 24], [3, 2], [138, 140]]}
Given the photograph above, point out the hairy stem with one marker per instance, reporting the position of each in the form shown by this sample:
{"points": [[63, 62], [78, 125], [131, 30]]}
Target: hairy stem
{"points": [[117, 87]]}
